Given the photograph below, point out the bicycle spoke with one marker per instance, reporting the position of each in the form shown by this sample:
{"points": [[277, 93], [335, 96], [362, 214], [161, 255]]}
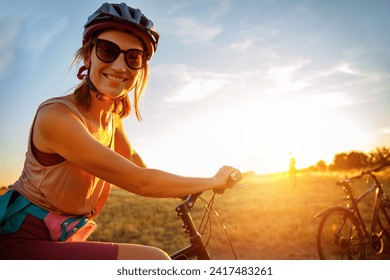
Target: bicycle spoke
{"points": [[339, 237]]}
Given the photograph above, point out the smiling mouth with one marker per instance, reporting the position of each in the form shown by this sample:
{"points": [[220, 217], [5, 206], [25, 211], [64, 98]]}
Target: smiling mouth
{"points": [[114, 78]]}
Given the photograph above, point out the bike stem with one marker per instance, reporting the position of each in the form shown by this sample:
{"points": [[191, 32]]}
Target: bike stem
{"points": [[183, 211]]}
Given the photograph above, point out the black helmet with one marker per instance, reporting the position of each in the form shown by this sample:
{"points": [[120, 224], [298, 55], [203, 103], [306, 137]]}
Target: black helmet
{"points": [[123, 17]]}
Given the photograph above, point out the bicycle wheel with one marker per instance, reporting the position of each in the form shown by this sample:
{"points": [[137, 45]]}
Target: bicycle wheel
{"points": [[384, 221], [339, 237]]}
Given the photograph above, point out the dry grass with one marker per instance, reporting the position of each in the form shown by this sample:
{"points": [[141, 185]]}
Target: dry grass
{"points": [[269, 220]]}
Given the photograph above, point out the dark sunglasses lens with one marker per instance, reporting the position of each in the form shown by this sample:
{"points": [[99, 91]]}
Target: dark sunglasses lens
{"points": [[135, 59], [107, 51]]}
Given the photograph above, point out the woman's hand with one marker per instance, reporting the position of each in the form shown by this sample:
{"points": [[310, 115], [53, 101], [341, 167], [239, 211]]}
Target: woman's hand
{"points": [[226, 177]]}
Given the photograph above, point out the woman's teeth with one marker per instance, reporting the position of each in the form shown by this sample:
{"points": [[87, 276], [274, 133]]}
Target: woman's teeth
{"points": [[115, 79]]}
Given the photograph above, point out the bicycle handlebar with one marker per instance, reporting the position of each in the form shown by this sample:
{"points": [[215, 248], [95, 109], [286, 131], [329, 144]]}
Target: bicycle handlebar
{"points": [[236, 176], [379, 168], [363, 173], [190, 199]]}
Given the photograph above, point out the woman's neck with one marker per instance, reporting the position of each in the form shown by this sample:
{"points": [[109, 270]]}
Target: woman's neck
{"points": [[100, 111]]}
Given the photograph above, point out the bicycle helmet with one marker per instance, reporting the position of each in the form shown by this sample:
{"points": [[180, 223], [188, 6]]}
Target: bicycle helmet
{"points": [[123, 17]]}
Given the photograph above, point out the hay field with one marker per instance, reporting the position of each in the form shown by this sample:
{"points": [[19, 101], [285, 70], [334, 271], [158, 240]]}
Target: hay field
{"points": [[270, 220]]}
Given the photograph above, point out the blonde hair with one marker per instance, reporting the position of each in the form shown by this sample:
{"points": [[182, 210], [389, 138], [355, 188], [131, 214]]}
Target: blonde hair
{"points": [[123, 106]]}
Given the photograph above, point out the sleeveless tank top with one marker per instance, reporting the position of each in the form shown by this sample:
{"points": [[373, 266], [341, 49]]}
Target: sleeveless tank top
{"points": [[63, 188]]}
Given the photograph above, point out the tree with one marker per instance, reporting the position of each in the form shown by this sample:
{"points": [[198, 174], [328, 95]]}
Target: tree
{"points": [[380, 156], [352, 160], [340, 161], [321, 166], [357, 160]]}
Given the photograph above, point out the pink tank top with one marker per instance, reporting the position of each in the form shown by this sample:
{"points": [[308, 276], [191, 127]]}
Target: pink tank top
{"points": [[63, 188]]}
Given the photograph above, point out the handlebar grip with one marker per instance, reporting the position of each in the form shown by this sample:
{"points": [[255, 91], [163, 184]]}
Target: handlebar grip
{"points": [[233, 178], [236, 176]]}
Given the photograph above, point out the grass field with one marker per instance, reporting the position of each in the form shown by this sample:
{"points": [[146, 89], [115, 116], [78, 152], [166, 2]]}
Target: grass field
{"points": [[269, 220]]}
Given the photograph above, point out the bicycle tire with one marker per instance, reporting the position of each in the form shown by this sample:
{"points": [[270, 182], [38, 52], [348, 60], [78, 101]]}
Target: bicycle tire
{"points": [[384, 221], [340, 237]]}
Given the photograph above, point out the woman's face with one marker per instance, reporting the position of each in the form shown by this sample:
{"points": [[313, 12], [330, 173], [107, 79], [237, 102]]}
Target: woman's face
{"points": [[115, 78]]}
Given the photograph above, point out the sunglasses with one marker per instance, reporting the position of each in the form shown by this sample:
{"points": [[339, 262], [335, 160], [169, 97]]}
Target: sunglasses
{"points": [[108, 52]]}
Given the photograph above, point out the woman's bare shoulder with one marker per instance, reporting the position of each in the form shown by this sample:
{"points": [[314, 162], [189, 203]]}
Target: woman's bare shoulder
{"points": [[55, 116]]}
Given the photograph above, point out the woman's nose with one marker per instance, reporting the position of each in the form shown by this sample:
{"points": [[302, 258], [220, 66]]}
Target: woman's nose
{"points": [[119, 64]]}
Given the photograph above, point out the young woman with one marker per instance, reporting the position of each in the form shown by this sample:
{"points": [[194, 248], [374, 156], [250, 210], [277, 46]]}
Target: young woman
{"points": [[78, 148]]}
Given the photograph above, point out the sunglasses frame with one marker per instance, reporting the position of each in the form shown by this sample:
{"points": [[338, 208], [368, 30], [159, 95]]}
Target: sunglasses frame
{"points": [[125, 52]]}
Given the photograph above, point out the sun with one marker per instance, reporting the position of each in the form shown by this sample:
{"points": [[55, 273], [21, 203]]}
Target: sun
{"points": [[310, 129]]}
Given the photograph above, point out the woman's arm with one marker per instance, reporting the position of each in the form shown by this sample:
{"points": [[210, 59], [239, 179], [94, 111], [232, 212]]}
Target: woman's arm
{"points": [[123, 146], [58, 130]]}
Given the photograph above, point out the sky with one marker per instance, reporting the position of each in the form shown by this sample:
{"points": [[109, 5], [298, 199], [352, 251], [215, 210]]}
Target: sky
{"points": [[243, 83]]}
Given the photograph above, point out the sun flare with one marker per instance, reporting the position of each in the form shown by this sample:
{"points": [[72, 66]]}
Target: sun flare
{"points": [[305, 128]]}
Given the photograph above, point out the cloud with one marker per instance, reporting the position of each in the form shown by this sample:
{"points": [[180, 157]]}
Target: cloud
{"points": [[242, 46], [346, 68], [310, 76], [28, 33], [8, 30], [190, 29], [185, 22], [254, 48], [40, 31], [189, 84], [268, 52], [285, 79]]}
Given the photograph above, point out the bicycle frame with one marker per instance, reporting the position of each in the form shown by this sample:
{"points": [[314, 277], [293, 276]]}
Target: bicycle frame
{"points": [[197, 248], [377, 187]]}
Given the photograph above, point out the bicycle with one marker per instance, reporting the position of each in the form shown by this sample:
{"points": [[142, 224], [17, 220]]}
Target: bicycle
{"points": [[343, 233], [198, 246]]}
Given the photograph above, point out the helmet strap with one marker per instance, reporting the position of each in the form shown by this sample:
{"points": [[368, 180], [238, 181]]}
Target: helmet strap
{"points": [[100, 96]]}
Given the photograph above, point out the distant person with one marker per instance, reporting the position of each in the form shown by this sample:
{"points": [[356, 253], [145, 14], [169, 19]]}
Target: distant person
{"points": [[292, 171], [78, 147]]}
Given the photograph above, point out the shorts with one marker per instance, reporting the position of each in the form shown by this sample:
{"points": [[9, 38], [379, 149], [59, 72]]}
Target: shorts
{"points": [[32, 242]]}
